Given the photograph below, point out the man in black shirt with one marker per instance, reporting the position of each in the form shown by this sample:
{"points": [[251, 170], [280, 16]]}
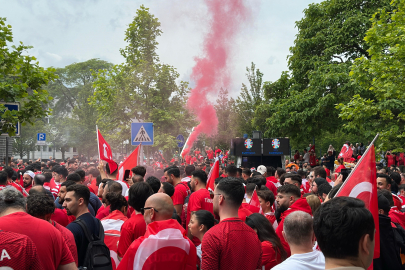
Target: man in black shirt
{"points": [[76, 201]]}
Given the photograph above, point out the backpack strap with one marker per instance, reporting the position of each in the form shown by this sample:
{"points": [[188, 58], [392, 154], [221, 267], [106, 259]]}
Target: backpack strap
{"points": [[88, 235], [101, 231]]}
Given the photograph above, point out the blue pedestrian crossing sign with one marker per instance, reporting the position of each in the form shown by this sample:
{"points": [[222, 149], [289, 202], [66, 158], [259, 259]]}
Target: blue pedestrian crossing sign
{"points": [[142, 133]]}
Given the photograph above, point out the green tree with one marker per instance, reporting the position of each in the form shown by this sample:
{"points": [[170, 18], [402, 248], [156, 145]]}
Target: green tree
{"points": [[142, 89], [225, 109], [21, 80], [73, 122], [26, 142], [382, 107], [330, 37]]}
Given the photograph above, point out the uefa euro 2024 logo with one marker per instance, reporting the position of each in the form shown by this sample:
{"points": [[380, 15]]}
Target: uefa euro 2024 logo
{"points": [[248, 143], [275, 143]]}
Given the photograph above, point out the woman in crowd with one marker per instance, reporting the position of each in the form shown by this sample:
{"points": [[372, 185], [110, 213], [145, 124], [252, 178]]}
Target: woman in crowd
{"points": [[200, 222], [273, 251]]}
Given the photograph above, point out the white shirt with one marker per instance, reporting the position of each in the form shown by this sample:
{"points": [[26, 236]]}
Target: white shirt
{"points": [[306, 157], [186, 179], [308, 261], [199, 252]]}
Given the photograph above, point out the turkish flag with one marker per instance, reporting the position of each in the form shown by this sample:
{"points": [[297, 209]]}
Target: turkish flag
{"points": [[105, 152], [362, 184], [214, 174], [346, 152], [130, 162], [312, 149], [255, 203]]}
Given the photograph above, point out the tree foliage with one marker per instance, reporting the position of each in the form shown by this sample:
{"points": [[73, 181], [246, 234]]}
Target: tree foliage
{"points": [[382, 107], [22, 80], [142, 89], [330, 37]]}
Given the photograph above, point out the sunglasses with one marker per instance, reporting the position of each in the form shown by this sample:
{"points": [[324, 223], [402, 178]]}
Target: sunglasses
{"points": [[147, 208]]}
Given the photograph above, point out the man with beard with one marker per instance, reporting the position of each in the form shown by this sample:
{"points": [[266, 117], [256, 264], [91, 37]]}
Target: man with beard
{"points": [[289, 200], [200, 198], [27, 179], [76, 204], [231, 244]]}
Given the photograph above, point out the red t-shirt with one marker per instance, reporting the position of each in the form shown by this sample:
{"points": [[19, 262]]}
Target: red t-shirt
{"points": [[312, 160], [49, 242], [270, 185], [390, 160], [54, 188], [199, 200], [210, 154], [61, 217], [181, 190], [69, 240], [231, 245], [269, 258], [103, 212], [243, 213], [272, 218], [17, 186], [131, 230], [18, 252]]}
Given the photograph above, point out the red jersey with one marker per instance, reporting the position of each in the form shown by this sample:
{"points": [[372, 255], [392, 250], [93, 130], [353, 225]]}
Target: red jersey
{"points": [[210, 154], [105, 211], [298, 205], [51, 247], [243, 213], [397, 201], [269, 257], [18, 251], [312, 160], [397, 216], [272, 218], [231, 244], [131, 230], [16, 186], [199, 200], [181, 190], [390, 160], [270, 185], [54, 188], [339, 169], [60, 217], [69, 240], [164, 246]]}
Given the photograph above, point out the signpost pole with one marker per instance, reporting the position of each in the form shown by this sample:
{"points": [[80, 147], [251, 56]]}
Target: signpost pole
{"points": [[6, 161], [42, 147]]}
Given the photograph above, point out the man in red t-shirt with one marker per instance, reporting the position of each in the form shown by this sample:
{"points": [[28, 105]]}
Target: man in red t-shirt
{"points": [[210, 153], [266, 199], [111, 186], [200, 198], [231, 244], [28, 178], [40, 205], [165, 244], [18, 252], [181, 189], [51, 247], [135, 226]]}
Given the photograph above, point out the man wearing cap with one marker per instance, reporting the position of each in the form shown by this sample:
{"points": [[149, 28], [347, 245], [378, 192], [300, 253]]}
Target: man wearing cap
{"points": [[269, 184], [27, 179]]}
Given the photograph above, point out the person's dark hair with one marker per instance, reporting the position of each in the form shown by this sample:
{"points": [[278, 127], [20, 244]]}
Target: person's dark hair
{"points": [[334, 190], [401, 187], [189, 169], [138, 194], [201, 175], [9, 171], [267, 196], [270, 170], [255, 173], [39, 179], [39, 205], [71, 162], [61, 170], [294, 177], [217, 180], [81, 173], [15, 176], [290, 190], [80, 191], [345, 173], [265, 232], [255, 180], [3, 178], [280, 172], [387, 194], [11, 198], [154, 183], [319, 171], [325, 188], [339, 224], [114, 187], [175, 216], [231, 170], [233, 190], [396, 177], [239, 171], [94, 172], [116, 201], [247, 172], [205, 218], [302, 174], [173, 170], [107, 169], [319, 181], [48, 177], [387, 178], [74, 177], [168, 188], [250, 187], [383, 203], [68, 183], [139, 170]]}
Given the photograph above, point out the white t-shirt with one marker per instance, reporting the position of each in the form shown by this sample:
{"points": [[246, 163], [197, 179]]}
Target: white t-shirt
{"points": [[306, 157], [308, 261], [199, 252]]}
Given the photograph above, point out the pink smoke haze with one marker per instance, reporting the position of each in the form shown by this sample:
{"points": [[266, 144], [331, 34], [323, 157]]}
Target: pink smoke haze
{"points": [[210, 72]]}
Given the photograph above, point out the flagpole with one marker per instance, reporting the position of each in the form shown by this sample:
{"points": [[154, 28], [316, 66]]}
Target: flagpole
{"points": [[98, 145], [357, 165], [185, 144]]}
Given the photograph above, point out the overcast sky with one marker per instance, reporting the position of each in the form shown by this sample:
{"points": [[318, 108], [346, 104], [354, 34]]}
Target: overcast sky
{"points": [[64, 32]]}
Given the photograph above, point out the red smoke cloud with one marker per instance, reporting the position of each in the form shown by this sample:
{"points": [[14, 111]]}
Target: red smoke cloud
{"points": [[210, 72]]}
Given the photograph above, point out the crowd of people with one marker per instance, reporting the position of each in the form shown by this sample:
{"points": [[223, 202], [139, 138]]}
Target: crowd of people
{"points": [[76, 214]]}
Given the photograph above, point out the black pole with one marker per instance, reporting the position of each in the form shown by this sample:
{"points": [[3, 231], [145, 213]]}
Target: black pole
{"points": [[6, 161]]}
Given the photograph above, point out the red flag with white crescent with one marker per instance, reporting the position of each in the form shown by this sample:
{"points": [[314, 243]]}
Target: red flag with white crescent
{"points": [[254, 201], [105, 152], [346, 152], [130, 162], [362, 184], [214, 174]]}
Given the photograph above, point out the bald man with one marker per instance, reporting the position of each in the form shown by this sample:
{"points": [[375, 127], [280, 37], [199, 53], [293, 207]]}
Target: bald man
{"points": [[165, 244]]}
